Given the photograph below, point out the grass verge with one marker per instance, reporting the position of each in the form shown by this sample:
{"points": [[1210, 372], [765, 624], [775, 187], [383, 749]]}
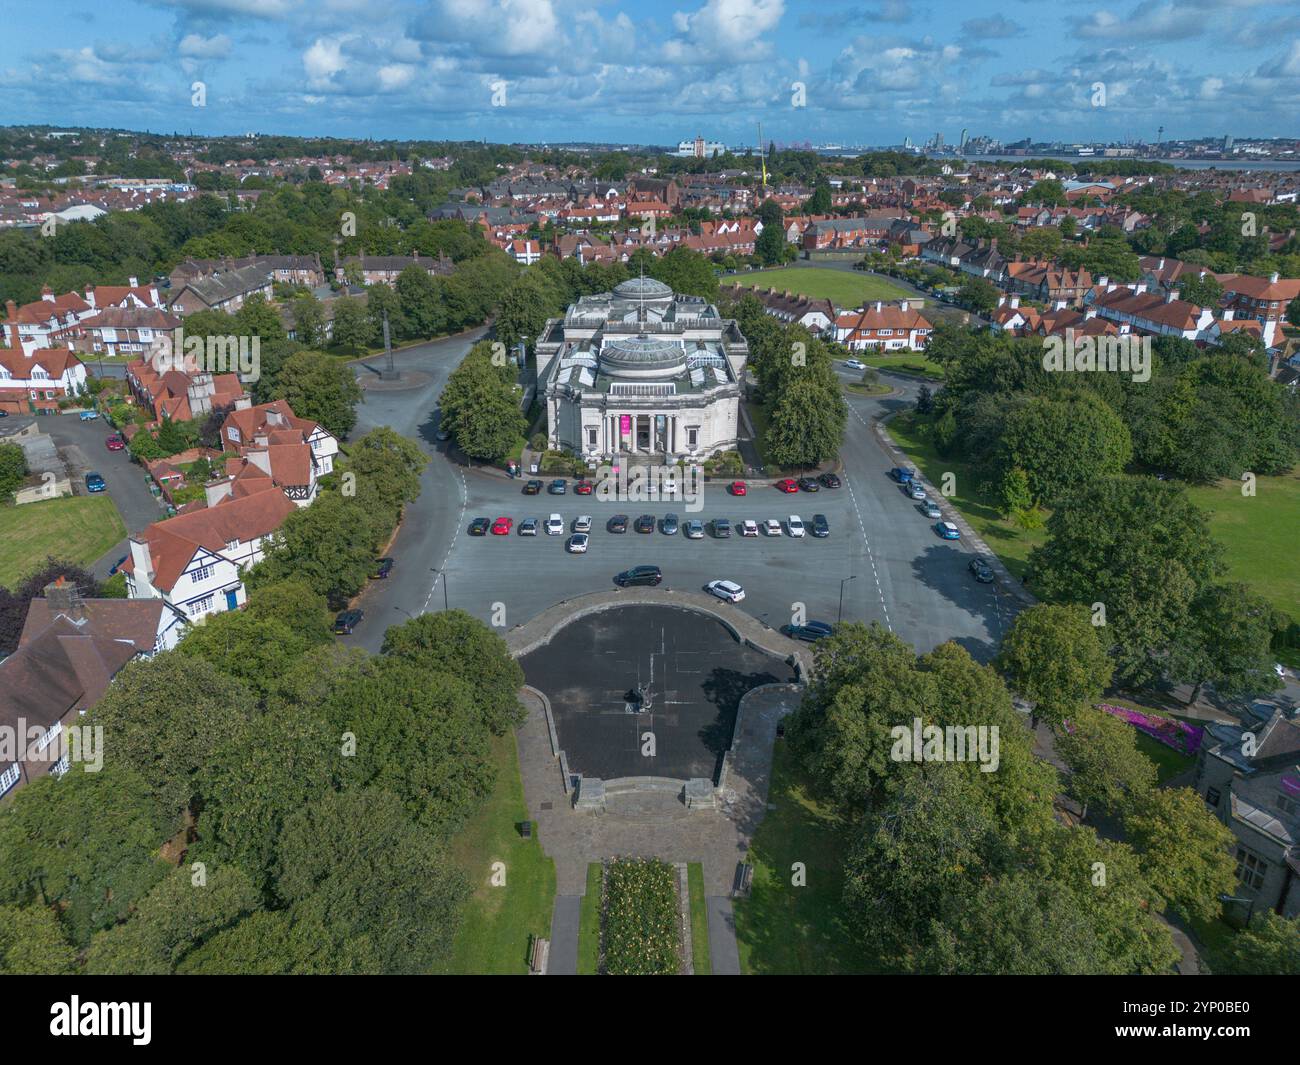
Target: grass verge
{"points": [[589, 923], [788, 930], [844, 288], [498, 921], [699, 920]]}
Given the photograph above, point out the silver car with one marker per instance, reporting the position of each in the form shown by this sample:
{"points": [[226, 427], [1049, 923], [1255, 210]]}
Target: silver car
{"points": [[932, 509], [694, 529]]}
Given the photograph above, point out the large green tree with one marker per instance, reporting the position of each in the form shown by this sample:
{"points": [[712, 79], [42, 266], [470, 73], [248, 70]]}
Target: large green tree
{"points": [[1053, 657], [321, 388]]}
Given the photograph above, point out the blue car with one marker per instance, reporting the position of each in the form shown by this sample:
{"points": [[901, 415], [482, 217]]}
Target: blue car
{"points": [[947, 530], [88, 415], [95, 483], [901, 474]]}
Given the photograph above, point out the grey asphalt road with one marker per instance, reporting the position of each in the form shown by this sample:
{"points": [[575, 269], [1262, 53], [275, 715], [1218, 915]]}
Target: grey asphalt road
{"points": [[903, 575], [723, 951], [128, 485]]}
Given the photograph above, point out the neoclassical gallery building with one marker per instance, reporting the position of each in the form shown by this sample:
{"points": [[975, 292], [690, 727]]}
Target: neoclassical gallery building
{"points": [[642, 371]]}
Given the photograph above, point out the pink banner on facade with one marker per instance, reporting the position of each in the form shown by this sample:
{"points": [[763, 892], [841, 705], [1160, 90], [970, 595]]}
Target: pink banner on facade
{"points": [[625, 424]]}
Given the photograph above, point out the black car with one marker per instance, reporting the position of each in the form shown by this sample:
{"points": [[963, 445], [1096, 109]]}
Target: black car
{"points": [[982, 570], [649, 575], [808, 484], [558, 487], [820, 526], [829, 480], [669, 525], [645, 523], [810, 631], [117, 565], [347, 621], [479, 527], [617, 524], [383, 568], [721, 528], [532, 488]]}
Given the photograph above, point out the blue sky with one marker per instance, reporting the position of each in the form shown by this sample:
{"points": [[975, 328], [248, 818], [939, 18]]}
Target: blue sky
{"points": [[629, 70]]}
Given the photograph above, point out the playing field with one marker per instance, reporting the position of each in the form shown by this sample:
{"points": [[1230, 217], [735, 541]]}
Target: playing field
{"points": [[847, 289]]}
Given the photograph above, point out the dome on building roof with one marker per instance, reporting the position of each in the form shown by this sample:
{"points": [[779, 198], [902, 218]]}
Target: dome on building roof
{"points": [[641, 353], [638, 288]]}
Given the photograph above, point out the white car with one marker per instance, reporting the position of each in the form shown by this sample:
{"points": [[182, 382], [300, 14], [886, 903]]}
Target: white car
{"points": [[748, 528], [794, 525], [582, 523], [772, 526], [577, 544], [554, 525], [1279, 669], [854, 364], [728, 590]]}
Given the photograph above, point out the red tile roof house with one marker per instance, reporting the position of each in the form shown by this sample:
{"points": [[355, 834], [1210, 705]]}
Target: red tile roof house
{"points": [[181, 394], [1161, 314], [69, 651], [35, 378], [887, 326], [125, 330], [270, 442], [194, 562], [1265, 299]]}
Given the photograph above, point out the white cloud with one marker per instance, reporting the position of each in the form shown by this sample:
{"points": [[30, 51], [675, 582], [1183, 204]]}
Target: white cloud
{"points": [[196, 46]]}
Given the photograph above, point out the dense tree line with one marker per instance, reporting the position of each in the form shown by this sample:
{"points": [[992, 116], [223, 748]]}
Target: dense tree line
{"points": [[953, 869]]}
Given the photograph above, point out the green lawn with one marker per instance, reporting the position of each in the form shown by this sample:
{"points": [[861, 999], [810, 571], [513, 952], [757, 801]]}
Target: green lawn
{"points": [[847, 289], [1011, 543], [499, 920], [78, 529], [589, 923], [699, 920], [783, 929], [917, 365], [1258, 535], [1169, 763]]}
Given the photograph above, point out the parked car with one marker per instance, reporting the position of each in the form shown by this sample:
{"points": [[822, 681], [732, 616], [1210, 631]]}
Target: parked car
{"points": [[88, 415], [829, 480], [727, 590], [502, 526], [617, 524], [117, 565], [694, 529], [95, 483], [748, 528], [532, 488], [647, 575], [982, 570], [821, 528], [583, 488], [347, 621], [721, 528], [582, 523], [931, 509], [554, 525], [854, 364], [947, 530], [902, 474], [577, 544], [442, 435], [916, 490], [527, 527], [789, 485], [383, 567], [479, 527], [772, 527], [558, 487], [809, 484], [645, 523], [794, 526], [737, 488], [669, 525], [116, 442], [810, 631]]}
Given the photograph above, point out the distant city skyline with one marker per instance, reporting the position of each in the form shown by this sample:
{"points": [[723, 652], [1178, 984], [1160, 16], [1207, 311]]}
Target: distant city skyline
{"points": [[633, 71]]}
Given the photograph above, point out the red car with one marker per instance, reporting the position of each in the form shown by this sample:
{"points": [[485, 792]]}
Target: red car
{"points": [[115, 442], [502, 526], [788, 485], [738, 488], [583, 488]]}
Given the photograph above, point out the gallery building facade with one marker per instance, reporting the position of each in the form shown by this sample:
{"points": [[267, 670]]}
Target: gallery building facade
{"points": [[642, 371]]}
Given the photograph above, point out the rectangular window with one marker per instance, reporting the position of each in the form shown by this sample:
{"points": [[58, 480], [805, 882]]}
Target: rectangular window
{"points": [[200, 606], [1212, 797], [9, 778], [1250, 868], [202, 573], [1287, 806]]}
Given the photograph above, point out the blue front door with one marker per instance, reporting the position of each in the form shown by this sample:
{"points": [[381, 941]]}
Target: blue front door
{"points": [[232, 601]]}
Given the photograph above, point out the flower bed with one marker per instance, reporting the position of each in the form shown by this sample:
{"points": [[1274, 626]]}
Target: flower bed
{"points": [[640, 927], [1167, 730]]}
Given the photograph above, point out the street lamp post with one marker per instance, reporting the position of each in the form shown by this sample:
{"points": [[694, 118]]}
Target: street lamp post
{"points": [[444, 587], [840, 616]]}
